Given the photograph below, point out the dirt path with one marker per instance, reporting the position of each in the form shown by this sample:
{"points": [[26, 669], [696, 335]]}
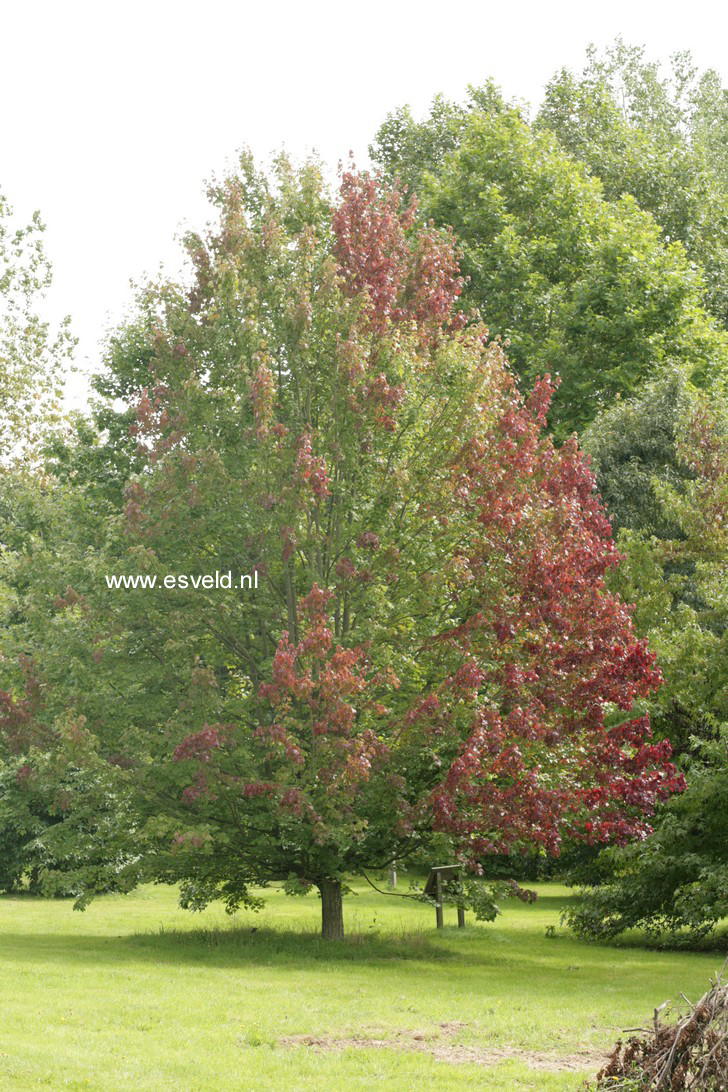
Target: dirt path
{"points": [[438, 1043]]}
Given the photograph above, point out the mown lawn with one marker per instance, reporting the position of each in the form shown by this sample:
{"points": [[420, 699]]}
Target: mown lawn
{"points": [[137, 994]]}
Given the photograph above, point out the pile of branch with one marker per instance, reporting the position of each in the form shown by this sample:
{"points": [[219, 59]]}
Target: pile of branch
{"points": [[690, 1054]]}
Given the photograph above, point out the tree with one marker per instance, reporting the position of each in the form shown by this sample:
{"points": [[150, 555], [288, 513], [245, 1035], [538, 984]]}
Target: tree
{"points": [[660, 138], [430, 652], [410, 150], [579, 285], [51, 529], [675, 880], [678, 877], [644, 458], [633, 446], [31, 357]]}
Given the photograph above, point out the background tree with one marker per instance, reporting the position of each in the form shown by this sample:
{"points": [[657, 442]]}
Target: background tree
{"points": [[678, 877], [675, 881], [54, 525], [580, 285], [645, 458], [659, 137], [431, 651], [411, 149], [32, 357], [33, 360]]}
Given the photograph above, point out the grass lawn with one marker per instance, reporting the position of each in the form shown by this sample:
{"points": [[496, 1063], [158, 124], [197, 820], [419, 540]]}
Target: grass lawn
{"points": [[137, 994]]}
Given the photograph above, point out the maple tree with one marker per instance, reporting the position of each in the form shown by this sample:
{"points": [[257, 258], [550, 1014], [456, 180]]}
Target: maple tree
{"points": [[431, 653]]}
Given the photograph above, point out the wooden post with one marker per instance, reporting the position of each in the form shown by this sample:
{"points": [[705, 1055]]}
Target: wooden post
{"points": [[438, 899], [461, 908]]}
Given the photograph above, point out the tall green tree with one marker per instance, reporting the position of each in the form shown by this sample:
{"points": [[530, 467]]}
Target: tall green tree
{"points": [[659, 136], [645, 456], [579, 285], [410, 149]]}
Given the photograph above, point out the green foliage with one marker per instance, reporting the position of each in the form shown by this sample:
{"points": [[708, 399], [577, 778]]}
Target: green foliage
{"points": [[60, 531], [32, 362], [581, 286], [677, 879], [659, 137], [676, 571], [633, 445], [411, 150], [31, 355], [18, 828], [666, 505]]}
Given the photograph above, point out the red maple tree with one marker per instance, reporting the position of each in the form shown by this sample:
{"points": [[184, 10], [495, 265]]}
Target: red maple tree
{"points": [[433, 650]]}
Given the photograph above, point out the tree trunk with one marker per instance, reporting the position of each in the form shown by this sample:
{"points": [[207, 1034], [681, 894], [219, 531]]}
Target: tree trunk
{"points": [[332, 910]]}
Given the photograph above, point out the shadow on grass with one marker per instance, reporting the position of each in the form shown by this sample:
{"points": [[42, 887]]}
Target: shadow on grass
{"points": [[306, 944], [538, 968], [672, 944], [235, 944]]}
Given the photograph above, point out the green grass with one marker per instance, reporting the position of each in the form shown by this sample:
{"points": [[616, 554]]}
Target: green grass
{"points": [[137, 994]]}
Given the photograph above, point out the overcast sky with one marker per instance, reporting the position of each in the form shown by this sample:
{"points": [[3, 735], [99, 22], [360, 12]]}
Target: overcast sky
{"points": [[113, 115]]}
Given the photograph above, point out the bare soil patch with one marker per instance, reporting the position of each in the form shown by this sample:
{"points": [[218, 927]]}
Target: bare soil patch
{"points": [[438, 1043]]}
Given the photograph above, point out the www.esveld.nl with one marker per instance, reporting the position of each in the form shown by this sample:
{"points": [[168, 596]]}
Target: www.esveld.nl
{"points": [[248, 581]]}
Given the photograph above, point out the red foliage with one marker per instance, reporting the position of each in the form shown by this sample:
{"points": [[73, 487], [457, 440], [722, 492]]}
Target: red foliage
{"points": [[21, 728], [310, 468], [200, 745], [525, 730], [546, 754], [262, 397], [407, 275], [317, 682], [371, 245]]}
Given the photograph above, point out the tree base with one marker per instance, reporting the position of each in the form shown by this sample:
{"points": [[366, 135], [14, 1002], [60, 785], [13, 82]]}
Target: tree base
{"points": [[332, 910]]}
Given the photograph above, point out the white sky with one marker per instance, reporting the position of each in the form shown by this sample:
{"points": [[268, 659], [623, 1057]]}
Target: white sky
{"points": [[113, 114]]}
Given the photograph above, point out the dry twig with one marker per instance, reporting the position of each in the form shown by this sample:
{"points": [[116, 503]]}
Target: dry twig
{"points": [[691, 1054]]}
